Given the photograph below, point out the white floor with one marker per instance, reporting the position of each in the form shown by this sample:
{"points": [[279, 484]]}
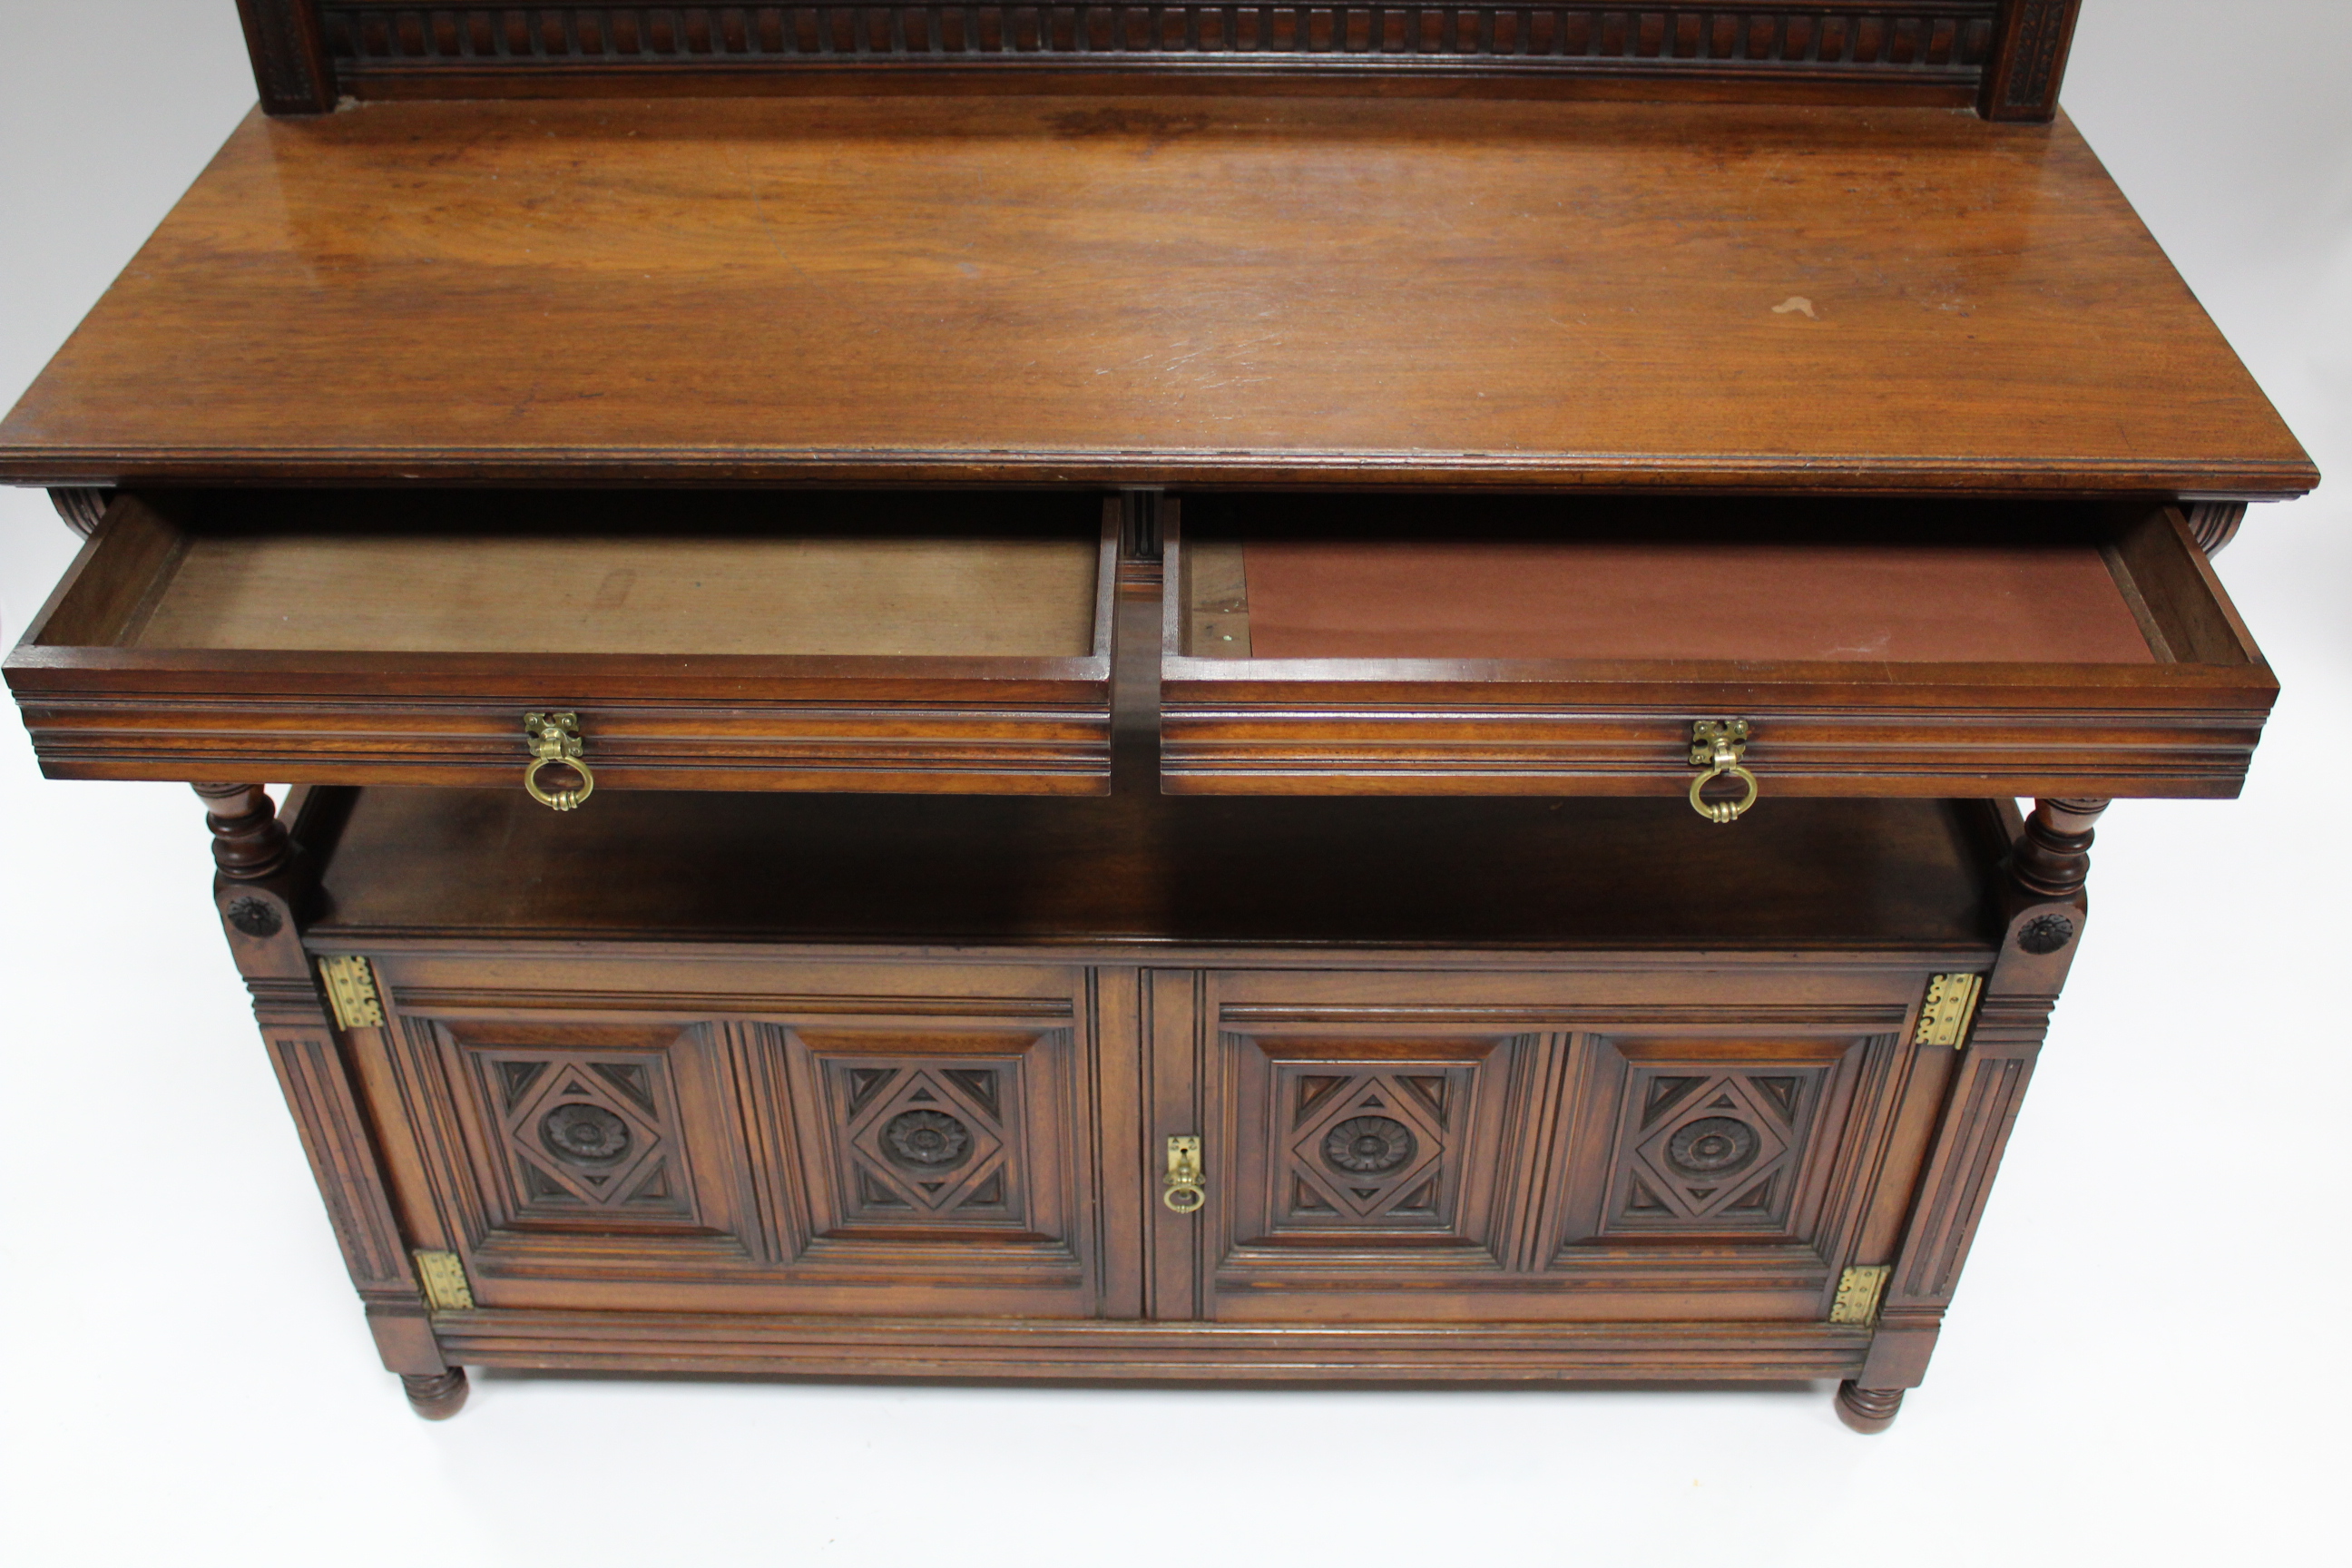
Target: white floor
{"points": [[2146, 1364]]}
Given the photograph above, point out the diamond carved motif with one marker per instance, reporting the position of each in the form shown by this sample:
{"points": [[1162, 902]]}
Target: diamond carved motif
{"points": [[921, 1142], [1711, 1149], [1371, 1148], [588, 1133]]}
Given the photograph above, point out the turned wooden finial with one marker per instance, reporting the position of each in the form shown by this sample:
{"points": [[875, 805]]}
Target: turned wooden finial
{"points": [[249, 841], [2052, 858]]}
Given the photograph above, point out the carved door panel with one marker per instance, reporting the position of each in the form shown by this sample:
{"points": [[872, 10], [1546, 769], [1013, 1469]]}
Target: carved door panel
{"points": [[1721, 1165], [725, 1137], [1625, 1144]]}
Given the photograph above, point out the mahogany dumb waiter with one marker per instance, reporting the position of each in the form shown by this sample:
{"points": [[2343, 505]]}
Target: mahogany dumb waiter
{"points": [[1186, 691]]}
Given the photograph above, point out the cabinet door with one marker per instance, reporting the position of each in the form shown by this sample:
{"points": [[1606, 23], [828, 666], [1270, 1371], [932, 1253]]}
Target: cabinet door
{"points": [[1660, 1144], [745, 1137]]}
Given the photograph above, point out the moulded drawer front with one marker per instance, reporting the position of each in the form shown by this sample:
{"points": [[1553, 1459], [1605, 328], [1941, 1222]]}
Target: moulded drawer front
{"points": [[1416, 646], [949, 643]]}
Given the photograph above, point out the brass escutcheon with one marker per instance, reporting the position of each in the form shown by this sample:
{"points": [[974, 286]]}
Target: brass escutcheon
{"points": [[1185, 1193], [1716, 745], [554, 738]]}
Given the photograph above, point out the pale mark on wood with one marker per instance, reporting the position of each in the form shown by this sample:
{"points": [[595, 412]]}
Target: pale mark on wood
{"points": [[1796, 305]]}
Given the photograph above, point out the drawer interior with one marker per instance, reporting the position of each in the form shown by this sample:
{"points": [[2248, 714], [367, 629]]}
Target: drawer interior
{"points": [[917, 575], [1272, 578], [1439, 644]]}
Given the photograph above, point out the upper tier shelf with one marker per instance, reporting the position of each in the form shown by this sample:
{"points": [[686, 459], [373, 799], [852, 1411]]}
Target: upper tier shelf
{"points": [[1138, 290]]}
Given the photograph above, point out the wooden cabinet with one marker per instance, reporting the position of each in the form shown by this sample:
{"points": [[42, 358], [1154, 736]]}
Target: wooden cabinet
{"points": [[1131, 684], [679, 1126]]}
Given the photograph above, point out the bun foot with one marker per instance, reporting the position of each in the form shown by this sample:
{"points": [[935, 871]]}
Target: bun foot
{"points": [[438, 1396], [1864, 1410]]}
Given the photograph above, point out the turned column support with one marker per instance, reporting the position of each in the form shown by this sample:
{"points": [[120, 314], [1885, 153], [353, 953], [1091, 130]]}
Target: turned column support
{"points": [[2052, 858], [249, 841], [264, 880]]}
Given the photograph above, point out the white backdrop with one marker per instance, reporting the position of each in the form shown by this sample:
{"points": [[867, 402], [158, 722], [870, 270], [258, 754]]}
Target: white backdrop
{"points": [[2144, 1364]]}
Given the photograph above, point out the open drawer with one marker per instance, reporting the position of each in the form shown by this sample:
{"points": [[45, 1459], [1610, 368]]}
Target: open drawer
{"points": [[1457, 645], [931, 642]]}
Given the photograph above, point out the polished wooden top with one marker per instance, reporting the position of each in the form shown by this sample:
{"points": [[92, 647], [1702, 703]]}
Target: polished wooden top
{"points": [[1197, 290]]}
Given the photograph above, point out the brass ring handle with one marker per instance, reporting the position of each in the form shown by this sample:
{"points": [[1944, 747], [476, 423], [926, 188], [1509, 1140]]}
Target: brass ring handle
{"points": [[1184, 1191], [1716, 745], [1724, 811], [563, 799], [555, 738]]}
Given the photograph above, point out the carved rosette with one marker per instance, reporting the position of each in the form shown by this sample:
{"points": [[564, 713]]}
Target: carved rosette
{"points": [[2045, 934], [928, 1140], [916, 1143], [254, 916], [1371, 1147], [586, 1133], [1711, 1149]]}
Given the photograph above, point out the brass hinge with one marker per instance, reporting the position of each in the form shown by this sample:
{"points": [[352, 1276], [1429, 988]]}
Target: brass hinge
{"points": [[443, 1276], [1858, 1293], [350, 979], [1951, 1004]]}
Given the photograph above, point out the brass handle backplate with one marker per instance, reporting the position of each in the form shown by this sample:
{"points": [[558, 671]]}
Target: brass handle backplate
{"points": [[554, 739], [1183, 1191], [1716, 745]]}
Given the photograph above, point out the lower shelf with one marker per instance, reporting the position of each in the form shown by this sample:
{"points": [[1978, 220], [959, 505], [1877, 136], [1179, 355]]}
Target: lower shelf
{"points": [[1140, 872]]}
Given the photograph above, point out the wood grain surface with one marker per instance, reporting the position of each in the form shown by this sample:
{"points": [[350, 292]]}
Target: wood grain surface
{"points": [[1901, 603], [1136, 291], [432, 592]]}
